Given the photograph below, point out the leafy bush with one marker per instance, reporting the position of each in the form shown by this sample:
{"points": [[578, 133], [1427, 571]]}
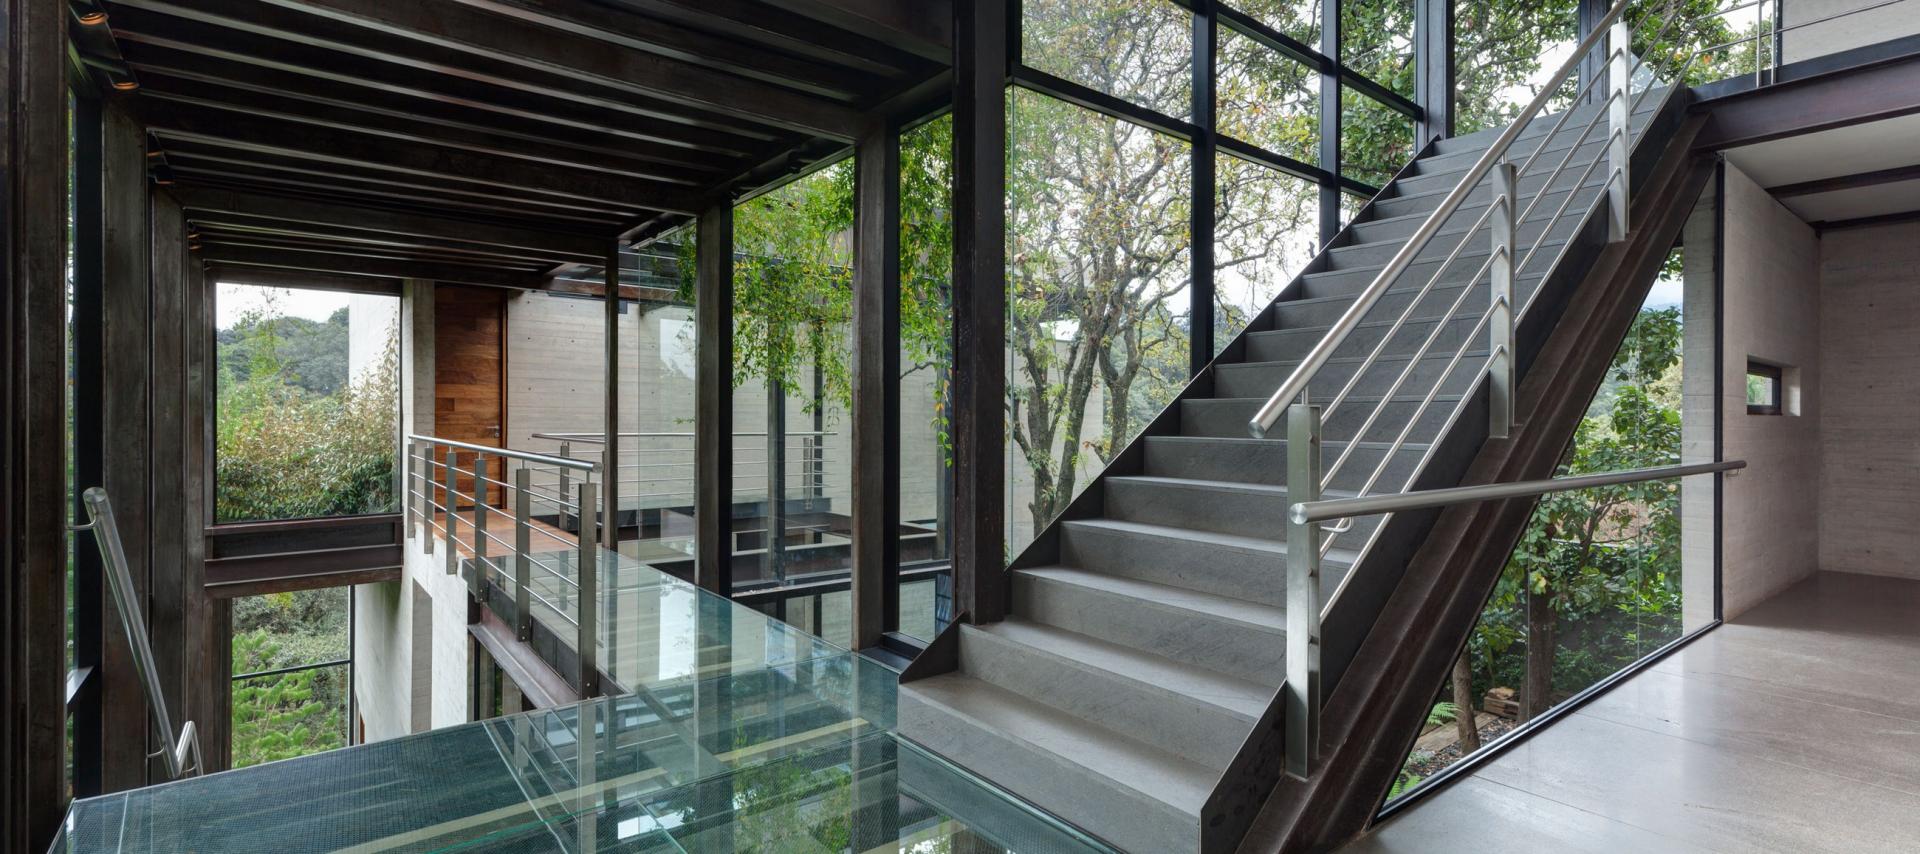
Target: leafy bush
{"points": [[285, 452], [287, 714]]}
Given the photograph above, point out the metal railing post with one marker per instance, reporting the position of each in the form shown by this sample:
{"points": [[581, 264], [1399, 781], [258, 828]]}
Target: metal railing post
{"points": [[1619, 128], [426, 496], [566, 482], [452, 516], [609, 514], [407, 506], [1303, 594], [523, 553], [1500, 325], [477, 582], [587, 638]]}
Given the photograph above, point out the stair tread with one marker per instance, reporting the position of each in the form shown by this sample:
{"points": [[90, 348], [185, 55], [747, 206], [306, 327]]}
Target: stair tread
{"points": [[1368, 324], [1409, 397], [1167, 595], [1277, 548], [1242, 697], [1202, 483], [1476, 252], [1325, 444], [1177, 782], [1384, 357]]}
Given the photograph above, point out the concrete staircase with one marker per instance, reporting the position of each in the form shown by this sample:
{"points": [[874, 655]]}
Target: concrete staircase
{"points": [[1146, 633]]}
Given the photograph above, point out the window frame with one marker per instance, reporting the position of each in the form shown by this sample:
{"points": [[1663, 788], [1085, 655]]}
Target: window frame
{"points": [[1776, 385]]}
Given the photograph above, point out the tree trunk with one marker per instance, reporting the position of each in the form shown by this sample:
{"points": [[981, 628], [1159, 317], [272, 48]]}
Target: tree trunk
{"points": [[1463, 703], [1540, 646]]}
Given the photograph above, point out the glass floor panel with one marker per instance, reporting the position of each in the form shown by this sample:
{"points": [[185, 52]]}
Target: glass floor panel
{"points": [[740, 733]]}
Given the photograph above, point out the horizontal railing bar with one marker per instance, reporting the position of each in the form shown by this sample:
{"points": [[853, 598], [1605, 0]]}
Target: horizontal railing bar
{"points": [[597, 437], [1807, 23], [508, 453], [1427, 499]]}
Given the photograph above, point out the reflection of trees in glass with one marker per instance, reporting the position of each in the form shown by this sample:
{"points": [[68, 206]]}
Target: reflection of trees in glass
{"points": [[1594, 583], [297, 713], [294, 439]]}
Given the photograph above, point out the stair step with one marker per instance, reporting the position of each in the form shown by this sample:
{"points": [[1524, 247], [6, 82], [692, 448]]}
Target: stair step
{"points": [[1396, 219], [1354, 280], [1260, 379], [1531, 184], [1459, 162], [1321, 309], [1245, 459], [1379, 252], [1537, 129], [1277, 345], [1134, 795], [1221, 506], [1227, 417], [1476, 201], [1223, 633], [1251, 568], [1192, 712]]}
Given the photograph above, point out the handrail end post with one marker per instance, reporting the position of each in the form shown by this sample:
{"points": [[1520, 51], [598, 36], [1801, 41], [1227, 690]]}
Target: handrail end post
{"points": [[1302, 720]]}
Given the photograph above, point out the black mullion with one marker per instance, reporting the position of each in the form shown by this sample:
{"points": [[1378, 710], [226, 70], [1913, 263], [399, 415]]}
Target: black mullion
{"points": [[1387, 97], [1434, 78], [1358, 187], [1274, 39], [1201, 212], [1101, 102], [1330, 122], [88, 380], [1278, 162]]}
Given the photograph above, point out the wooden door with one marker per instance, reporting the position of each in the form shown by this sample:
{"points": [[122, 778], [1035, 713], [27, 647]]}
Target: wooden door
{"points": [[469, 375]]}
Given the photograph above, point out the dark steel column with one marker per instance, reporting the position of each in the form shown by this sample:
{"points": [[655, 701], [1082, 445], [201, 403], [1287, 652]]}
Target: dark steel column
{"points": [[1204, 208], [33, 510], [713, 409], [876, 385], [1433, 73], [125, 334], [610, 482], [1330, 119], [774, 515], [980, 306]]}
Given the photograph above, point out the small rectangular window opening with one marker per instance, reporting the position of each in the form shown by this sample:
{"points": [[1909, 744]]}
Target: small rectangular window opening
{"points": [[1764, 388]]}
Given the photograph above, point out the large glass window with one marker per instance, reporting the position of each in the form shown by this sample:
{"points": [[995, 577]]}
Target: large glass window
{"points": [[292, 668], [1375, 139], [1266, 229], [926, 360], [1503, 55], [1098, 312], [308, 403], [1267, 98], [1297, 18], [1137, 50], [1596, 582], [1376, 39], [793, 311]]}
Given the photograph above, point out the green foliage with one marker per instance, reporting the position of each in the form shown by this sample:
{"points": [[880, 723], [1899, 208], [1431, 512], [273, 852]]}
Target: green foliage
{"points": [[285, 715], [1442, 713], [285, 451]]}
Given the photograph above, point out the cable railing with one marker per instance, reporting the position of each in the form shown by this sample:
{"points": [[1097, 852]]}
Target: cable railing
{"points": [[657, 469], [1512, 280], [451, 484]]}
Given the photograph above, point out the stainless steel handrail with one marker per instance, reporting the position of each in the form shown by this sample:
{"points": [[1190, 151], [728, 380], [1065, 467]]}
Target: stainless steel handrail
{"points": [[175, 752], [1426, 499], [509, 453], [1296, 382], [601, 437]]}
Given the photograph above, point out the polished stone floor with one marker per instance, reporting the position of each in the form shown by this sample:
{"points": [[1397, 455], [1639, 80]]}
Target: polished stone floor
{"points": [[1794, 728]]}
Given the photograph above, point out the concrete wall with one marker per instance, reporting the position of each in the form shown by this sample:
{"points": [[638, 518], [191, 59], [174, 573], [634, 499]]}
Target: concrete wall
{"points": [[1870, 393], [1700, 334], [1772, 313], [1842, 33], [372, 323]]}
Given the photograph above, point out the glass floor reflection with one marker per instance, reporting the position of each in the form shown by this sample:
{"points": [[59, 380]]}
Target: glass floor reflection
{"points": [[740, 733]]}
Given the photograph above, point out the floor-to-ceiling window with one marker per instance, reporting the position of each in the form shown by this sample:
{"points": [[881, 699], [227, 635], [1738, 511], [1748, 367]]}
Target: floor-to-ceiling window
{"points": [[1145, 138]]}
